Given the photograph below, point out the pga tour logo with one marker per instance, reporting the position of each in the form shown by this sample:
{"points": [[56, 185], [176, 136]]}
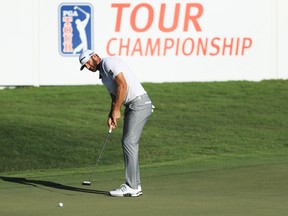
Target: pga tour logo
{"points": [[75, 28]]}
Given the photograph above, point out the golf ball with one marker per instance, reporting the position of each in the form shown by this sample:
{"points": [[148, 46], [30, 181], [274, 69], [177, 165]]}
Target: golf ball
{"points": [[60, 204]]}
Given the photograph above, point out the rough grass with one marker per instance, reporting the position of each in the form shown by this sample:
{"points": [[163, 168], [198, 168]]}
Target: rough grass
{"points": [[63, 127]]}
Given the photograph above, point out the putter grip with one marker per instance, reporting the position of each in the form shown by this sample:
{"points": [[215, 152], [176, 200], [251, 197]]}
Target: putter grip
{"points": [[110, 130]]}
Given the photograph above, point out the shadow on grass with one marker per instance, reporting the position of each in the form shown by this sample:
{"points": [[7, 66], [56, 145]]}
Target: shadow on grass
{"points": [[49, 184]]}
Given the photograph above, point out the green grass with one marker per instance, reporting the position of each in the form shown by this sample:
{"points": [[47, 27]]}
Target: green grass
{"points": [[216, 148], [63, 127], [235, 188]]}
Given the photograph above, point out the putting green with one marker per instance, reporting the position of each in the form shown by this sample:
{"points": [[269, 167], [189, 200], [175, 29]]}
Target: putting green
{"points": [[186, 189]]}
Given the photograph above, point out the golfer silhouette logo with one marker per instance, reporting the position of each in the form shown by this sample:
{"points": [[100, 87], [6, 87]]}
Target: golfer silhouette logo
{"points": [[81, 25], [75, 28]]}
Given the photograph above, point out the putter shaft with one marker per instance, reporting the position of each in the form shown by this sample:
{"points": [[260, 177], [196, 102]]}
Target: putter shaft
{"points": [[98, 159]]}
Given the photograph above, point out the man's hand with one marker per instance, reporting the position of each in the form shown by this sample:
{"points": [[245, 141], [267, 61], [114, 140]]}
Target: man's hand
{"points": [[113, 119]]}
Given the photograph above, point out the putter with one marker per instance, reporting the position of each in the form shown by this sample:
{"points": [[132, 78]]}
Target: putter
{"points": [[88, 183]]}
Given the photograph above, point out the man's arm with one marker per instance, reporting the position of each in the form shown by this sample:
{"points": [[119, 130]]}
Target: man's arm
{"points": [[113, 98], [117, 100]]}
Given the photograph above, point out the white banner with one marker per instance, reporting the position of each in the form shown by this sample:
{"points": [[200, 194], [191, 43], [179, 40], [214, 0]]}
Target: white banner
{"points": [[162, 41]]}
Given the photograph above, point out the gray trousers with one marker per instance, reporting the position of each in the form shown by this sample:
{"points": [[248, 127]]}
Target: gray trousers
{"points": [[136, 115]]}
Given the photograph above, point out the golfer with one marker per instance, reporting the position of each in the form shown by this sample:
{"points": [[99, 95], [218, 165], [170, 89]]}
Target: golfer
{"points": [[124, 89]]}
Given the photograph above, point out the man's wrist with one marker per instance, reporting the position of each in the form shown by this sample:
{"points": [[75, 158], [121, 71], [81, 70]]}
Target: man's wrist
{"points": [[116, 110]]}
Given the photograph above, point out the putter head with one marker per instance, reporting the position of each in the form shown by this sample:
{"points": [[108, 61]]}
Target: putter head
{"points": [[87, 183]]}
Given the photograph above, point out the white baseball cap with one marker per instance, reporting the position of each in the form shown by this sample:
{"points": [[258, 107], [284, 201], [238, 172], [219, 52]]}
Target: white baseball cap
{"points": [[84, 57]]}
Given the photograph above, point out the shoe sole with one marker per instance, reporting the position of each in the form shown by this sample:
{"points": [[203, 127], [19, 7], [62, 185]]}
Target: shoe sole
{"points": [[138, 194], [128, 195]]}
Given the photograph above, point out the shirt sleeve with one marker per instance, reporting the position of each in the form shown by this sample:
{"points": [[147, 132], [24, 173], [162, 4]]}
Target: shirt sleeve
{"points": [[114, 66]]}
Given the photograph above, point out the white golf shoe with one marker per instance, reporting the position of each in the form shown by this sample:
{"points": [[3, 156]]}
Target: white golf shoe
{"points": [[125, 190]]}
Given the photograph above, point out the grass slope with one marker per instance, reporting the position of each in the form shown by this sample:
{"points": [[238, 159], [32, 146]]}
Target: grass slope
{"points": [[63, 127]]}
